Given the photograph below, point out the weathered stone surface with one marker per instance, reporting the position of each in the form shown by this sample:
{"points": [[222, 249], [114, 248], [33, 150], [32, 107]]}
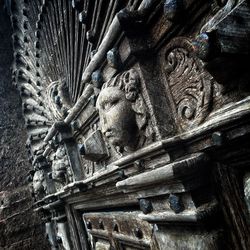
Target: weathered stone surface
{"points": [[156, 94], [13, 160], [20, 228]]}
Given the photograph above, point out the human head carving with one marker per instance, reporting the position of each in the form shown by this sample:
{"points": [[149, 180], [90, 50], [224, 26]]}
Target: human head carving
{"points": [[59, 168], [39, 187], [124, 118]]}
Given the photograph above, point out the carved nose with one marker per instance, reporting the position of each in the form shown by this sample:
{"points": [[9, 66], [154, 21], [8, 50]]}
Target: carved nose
{"points": [[104, 127]]}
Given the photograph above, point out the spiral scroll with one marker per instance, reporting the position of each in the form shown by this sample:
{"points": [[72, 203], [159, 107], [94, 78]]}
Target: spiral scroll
{"points": [[189, 85]]}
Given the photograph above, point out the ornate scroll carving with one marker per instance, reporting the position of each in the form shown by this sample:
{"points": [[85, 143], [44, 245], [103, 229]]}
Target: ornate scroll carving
{"points": [[124, 118], [189, 86]]}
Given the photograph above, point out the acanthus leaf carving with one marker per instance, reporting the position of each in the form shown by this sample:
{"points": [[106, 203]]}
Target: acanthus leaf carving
{"points": [[188, 84]]}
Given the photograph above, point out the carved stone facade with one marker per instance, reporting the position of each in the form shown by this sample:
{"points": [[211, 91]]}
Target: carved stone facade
{"points": [[138, 121], [20, 226]]}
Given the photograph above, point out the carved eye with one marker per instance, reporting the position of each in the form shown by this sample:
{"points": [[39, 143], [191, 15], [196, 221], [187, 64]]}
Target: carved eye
{"points": [[105, 106], [110, 104], [114, 102]]}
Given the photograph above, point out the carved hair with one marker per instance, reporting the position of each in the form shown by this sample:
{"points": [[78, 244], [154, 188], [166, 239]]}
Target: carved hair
{"points": [[129, 82]]}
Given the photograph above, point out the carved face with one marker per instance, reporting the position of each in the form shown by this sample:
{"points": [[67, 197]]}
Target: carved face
{"points": [[117, 118], [38, 182]]}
